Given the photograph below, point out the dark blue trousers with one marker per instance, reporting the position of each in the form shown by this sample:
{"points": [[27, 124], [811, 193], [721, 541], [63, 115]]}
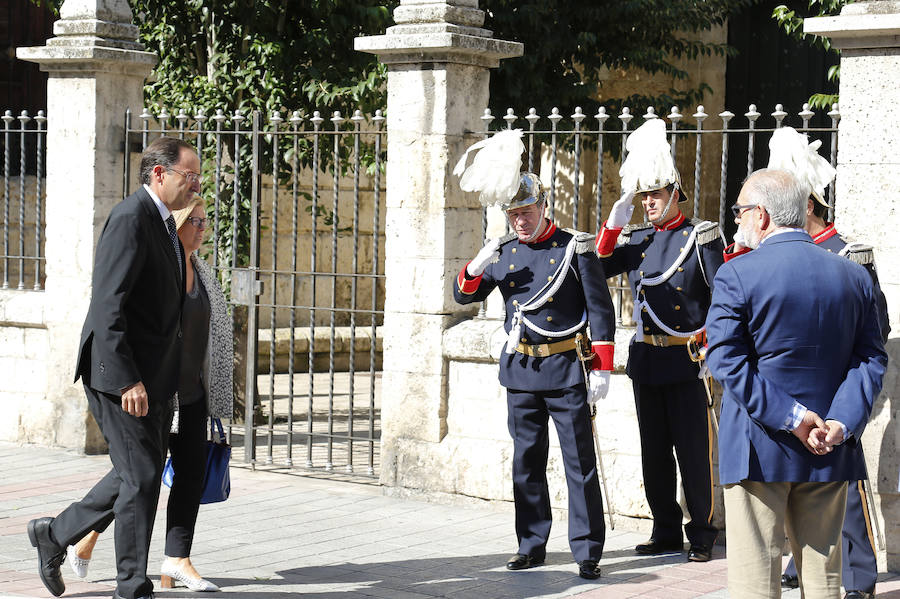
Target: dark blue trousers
{"points": [[529, 413], [859, 567], [673, 420]]}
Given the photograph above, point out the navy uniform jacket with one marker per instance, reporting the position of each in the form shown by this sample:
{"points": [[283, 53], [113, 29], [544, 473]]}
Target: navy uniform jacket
{"points": [[788, 323], [521, 272], [678, 301]]}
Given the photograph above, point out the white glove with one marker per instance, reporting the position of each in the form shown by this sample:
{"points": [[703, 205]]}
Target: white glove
{"points": [[739, 238], [621, 211], [598, 381], [487, 254]]}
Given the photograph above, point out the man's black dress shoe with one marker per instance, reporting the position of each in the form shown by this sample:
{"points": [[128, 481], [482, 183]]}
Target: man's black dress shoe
{"points": [[116, 595], [589, 569], [50, 555], [789, 582], [654, 547], [699, 554], [859, 595], [522, 562]]}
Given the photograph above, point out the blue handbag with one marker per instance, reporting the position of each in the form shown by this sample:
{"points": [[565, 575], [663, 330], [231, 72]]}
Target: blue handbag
{"points": [[217, 481]]}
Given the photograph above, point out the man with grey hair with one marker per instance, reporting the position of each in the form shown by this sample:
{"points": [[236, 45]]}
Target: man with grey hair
{"points": [[795, 341]]}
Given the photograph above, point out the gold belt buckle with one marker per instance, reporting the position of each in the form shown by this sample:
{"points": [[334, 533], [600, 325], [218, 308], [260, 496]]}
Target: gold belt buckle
{"points": [[540, 350], [660, 340]]}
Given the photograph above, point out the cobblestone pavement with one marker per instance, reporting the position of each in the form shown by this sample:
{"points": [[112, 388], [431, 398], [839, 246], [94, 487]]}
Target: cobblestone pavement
{"points": [[286, 535]]}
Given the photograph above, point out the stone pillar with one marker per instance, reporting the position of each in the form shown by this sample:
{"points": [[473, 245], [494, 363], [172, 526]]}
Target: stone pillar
{"points": [[438, 61], [96, 70], [868, 209]]}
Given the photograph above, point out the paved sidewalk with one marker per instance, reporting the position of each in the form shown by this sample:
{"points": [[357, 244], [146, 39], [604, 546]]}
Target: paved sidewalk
{"points": [[284, 535]]}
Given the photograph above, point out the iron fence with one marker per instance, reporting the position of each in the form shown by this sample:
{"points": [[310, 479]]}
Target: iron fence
{"points": [[583, 154], [24, 158], [297, 236]]}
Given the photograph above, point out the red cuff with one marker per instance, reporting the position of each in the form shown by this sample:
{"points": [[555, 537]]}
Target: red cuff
{"points": [[606, 241], [465, 284], [603, 355], [730, 253]]}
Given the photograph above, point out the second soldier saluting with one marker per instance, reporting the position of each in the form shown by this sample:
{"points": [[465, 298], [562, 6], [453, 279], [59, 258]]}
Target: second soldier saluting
{"points": [[670, 262], [553, 287]]}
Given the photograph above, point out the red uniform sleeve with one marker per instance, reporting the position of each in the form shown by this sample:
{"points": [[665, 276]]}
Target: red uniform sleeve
{"points": [[603, 355], [606, 241], [465, 284]]}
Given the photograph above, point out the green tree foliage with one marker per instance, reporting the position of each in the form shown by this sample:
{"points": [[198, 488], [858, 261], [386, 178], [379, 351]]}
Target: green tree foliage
{"points": [[792, 24], [571, 45]]}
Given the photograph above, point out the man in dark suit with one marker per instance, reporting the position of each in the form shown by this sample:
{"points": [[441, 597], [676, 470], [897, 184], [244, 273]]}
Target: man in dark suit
{"points": [[129, 362], [795, 341]]}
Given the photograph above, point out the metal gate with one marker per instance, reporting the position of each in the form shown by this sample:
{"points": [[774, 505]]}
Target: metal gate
{"points": [[297, 239]]}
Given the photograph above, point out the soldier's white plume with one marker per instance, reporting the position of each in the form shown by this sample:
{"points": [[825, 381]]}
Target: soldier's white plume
{"points": [[495, 170], [649, 164], [788, 150]]}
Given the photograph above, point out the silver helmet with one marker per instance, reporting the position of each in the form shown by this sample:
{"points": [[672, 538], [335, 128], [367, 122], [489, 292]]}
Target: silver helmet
{"points": [[531, 191]]}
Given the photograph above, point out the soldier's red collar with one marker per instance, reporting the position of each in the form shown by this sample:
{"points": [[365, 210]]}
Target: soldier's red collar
{"points": [[671, 223], [547, 234], [826, 233]]}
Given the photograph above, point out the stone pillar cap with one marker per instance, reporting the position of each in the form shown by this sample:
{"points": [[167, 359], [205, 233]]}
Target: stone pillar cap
{"points": [[92, 35], [874, 24]]}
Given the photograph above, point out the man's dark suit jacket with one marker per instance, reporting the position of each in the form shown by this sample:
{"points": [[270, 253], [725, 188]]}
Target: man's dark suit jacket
{"points": [[789, 321], [132, 331]]}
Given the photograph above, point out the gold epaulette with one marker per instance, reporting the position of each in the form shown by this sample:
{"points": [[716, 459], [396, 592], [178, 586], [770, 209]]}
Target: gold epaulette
{"points": [[707, 231], [860, 253], [584, 242]]}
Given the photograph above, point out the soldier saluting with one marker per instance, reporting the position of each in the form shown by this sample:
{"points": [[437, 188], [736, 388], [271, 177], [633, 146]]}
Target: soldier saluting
{"points": [[670, 262], [560, 324]]}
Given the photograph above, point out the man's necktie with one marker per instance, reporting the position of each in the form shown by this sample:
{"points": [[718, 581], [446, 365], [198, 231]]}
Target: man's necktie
{"points": [[173, 236]]}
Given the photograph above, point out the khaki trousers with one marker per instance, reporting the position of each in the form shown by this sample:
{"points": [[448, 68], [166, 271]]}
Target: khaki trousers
{"points": [[757, 515]]}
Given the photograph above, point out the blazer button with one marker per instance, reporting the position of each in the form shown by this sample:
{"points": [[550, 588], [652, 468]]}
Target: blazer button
{"points": [[550, 299], [514, 250], [549, 319], [552, 261], [677, 307], [685, 233], [680, 269], [515, 302], [550, 278], [512, 283]]}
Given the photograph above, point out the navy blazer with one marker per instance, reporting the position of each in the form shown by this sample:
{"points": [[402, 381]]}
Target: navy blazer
{"points": [[792, 322], [132, 331]]}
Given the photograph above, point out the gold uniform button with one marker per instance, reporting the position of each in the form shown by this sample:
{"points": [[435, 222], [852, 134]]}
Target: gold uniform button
{"points": [[550, 278], [643, 255], [677, 307], [681, 249], [676, 289], [550, 299], [829, 250], [514, 250], [515, 302], [524, 339], [642, 292], [685, 233], [646, 329], [553, 244], [644, 309], [552, 261], [677, 327], [680, 269], [646, 237], [549, 319], [549, 339], [512, 283], [641, 273], [512, 266]]}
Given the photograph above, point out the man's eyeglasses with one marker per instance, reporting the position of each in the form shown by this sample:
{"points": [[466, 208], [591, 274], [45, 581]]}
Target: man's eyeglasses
{"points": [[738, 209], [199, 223], [189, 175]]}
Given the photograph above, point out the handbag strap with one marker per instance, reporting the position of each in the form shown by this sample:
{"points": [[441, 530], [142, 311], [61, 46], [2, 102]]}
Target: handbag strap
{"points": [[216, 430]]}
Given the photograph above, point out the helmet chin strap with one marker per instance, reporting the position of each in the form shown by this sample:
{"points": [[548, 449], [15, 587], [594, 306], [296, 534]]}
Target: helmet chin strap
{"points": [[668, 206], [539, 230]]}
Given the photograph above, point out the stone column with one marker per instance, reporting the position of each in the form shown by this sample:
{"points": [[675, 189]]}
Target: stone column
{"points": [[96, 70], [868, 209], [438, 61]]}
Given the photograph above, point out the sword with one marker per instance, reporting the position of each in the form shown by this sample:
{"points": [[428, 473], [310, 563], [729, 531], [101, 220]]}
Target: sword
{"points": [[870, 507], [609, 507], [697, 353], [583, 357]]}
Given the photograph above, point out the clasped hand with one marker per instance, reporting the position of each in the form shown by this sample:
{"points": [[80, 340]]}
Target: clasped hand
{"points": [[817, 435]]}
